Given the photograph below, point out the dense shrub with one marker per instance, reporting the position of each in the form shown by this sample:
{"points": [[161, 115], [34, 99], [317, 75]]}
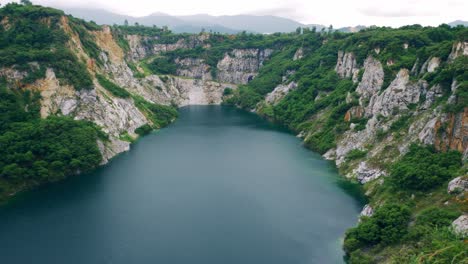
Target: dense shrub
{"points": [[162, 65], [423, 168], [160, 115], [436, 217], [387, 225], [112, 87], [48, 149], [356, 154], [144, 130]]}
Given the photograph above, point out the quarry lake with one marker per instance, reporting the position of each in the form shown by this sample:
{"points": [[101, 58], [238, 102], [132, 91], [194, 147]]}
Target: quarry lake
{"points": [[220, 185]]}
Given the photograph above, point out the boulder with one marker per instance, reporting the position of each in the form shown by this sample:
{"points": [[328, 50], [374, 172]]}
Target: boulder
{"points": [[459, 184], [460, 225]]}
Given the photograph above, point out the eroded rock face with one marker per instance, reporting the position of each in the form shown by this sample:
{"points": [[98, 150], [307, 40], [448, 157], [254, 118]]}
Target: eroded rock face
{"points": [[455, 135], [193, 68], [241, 65], [431, 96], [430, 65], [458, 49], [459, 184], [346, 65], [398, 96], [372, 79], [55, 98], [198, 92], [191, 42], [367, 211], [112, 148], [460, 225], [138, 49], [365, 174], [299, 54], [279, 93]]}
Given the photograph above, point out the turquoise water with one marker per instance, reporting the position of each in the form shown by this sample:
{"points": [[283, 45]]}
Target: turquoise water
{"points": [[218, 186]]}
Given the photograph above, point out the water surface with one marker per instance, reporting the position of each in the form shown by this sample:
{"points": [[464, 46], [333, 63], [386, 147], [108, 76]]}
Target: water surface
{"points": [[218, 186]]}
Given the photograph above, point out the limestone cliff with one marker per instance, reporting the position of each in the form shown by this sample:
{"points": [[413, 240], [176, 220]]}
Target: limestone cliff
{"points": [[241, 65]]}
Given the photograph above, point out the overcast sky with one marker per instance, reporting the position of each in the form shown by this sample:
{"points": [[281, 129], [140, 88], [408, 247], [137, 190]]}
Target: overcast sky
{"points": [[336, 12]]}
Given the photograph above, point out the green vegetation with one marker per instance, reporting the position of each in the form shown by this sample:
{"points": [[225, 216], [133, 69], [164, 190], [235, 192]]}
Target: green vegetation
{"points": [[422, 168], [112, 87], [144, 130], [162, 66], [387, 225], [34, 150], [356, 154], [419, 230], [160, 115], [33, 35]]}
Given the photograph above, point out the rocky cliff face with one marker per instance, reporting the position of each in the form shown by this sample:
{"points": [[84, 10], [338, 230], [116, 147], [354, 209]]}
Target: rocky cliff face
{"points": [[193, 68], [346, 66], [241, 65], [144, 46], [404, 98]]}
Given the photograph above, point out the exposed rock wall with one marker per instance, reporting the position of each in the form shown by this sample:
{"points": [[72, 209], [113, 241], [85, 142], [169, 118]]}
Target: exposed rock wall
{"points": [[346, 65], [458, 49], [193, 68], [372, 79], [198, 92], [398, 96], [241, 65], [280, 92], [404, 98]]}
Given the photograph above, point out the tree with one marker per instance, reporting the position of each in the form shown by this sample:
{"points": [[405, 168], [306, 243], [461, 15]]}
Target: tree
{"points": [[26, 2], [126, 23]]}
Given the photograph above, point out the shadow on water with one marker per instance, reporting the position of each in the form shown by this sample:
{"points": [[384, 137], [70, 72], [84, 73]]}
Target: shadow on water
{"points": [[353, 189]]}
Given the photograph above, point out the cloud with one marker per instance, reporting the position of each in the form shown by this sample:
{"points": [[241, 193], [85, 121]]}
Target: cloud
{"points": [[288, 12], [375, 12], [337, 12]]}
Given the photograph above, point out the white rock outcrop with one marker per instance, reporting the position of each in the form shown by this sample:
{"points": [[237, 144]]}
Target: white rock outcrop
{"points": [[458, 49], [367, 211], [372, 79], [299, 54], [279, 93], [365, 174], [346, 66], [460, 225], [459, 184]]}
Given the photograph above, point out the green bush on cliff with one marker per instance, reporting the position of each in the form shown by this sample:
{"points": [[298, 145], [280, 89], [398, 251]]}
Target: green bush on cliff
{"points": [[388, 225], [112, 87], [162, 65], [144, 130], [436, 217], [160, 115], [422, 168]]}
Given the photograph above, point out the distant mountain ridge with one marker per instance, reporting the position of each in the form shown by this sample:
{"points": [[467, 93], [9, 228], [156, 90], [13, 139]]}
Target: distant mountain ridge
{"points": [[195, 23]]}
